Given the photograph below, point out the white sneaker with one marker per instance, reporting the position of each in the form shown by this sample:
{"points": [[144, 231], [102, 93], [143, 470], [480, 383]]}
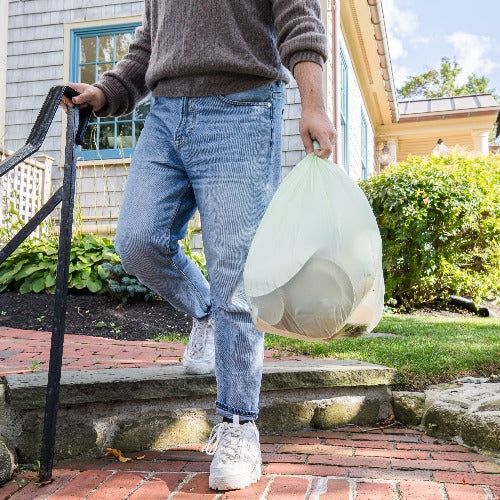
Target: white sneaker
{"points": [[237, 461], [199, 356]]}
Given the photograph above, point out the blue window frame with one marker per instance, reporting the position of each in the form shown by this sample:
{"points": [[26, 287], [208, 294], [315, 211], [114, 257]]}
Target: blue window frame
{"points": [[364, 147], [344, 110], [94, 51]]}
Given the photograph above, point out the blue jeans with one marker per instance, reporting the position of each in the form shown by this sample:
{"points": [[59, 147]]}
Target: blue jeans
{"points": [[220, 155]]}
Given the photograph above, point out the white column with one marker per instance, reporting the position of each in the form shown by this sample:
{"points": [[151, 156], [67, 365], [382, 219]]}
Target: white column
{"points": [[480, 141], [392, 144], [4, 22]]}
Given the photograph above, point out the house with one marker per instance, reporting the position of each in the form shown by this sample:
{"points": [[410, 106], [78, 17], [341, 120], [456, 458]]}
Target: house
{"points": [[50, 43], [466, 121]]}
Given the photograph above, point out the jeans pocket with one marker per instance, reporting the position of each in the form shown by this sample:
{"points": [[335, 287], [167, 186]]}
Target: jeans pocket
{"points": [[260, 96]]}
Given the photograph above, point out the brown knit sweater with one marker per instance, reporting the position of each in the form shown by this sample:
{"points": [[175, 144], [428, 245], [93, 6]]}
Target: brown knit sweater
{"points": [[208, 47]]}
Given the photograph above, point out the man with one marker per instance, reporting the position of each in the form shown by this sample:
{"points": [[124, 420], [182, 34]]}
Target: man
{"points": [[212, 142]]}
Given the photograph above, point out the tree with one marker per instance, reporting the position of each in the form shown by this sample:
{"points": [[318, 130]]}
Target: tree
{"points": [[442, 82]]}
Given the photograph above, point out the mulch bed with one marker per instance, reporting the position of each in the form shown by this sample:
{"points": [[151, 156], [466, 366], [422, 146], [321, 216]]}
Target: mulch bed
{"points": [[98, 315]]}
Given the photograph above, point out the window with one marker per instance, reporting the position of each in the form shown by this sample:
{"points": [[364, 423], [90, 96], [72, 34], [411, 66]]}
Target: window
{"points": [[94, 51], [344, 92], [364, 147]]}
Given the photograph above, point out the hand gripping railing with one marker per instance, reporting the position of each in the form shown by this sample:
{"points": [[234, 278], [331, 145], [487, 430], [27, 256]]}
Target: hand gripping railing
{"points": [[77, 121]]}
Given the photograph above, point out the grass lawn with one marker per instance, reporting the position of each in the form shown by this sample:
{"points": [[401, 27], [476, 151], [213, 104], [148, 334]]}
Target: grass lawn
{"points": [[427, 350]]}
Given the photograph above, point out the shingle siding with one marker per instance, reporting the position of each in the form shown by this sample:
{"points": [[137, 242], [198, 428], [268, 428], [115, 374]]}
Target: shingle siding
{"points": [[35, 56]]}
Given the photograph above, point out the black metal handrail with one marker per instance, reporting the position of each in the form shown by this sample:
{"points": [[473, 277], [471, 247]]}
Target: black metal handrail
{"points": [[77, 121]]}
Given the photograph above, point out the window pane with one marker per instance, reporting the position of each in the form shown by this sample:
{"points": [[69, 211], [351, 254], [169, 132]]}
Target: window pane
{"points": [[87, 49], [106, 48], [107, 136], [90, 137], [142, 110], [138, 129], [124, 135], [101, 68], [122, 44], [87, 74]]}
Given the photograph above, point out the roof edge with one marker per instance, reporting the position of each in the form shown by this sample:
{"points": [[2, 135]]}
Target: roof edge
{"points": [[378, 22], [445, 97]]}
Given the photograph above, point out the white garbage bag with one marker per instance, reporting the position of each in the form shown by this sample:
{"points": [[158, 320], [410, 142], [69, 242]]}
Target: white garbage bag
{"points": [[314, 269]]}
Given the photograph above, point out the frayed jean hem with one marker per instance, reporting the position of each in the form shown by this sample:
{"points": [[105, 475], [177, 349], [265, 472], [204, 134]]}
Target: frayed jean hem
{"points": [[228, 412]]}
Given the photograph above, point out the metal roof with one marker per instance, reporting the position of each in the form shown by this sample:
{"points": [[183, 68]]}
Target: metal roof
{"points": [[447, 104]]}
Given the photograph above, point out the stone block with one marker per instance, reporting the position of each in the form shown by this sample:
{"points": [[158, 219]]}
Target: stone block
{"points": [[8, 460], [481, 430], [158, 432], [76, 436], [408, 406], [27, 391], [442, 419], [286, 416], [347, 410], [489, 405]]}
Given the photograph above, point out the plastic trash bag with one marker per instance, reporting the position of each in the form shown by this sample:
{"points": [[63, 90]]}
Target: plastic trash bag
{"points": [[314, 269]]}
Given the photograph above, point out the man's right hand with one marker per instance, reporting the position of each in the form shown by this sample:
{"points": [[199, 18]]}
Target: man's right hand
{"points": [[89, 95]]}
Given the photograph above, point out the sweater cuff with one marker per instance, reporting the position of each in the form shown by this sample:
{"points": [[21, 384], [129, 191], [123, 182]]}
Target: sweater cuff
{"points": [[305, 55], [116, 95]]}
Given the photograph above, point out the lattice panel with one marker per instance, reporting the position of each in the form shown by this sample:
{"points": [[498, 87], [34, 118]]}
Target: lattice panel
{"points": [[25, 189]]}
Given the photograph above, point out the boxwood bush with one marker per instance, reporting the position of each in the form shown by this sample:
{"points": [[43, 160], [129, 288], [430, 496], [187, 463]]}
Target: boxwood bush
{"points": [[440, 227]]}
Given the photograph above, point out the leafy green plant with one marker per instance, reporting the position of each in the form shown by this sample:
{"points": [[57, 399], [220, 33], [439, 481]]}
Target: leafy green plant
{"points": [[11, 222], [94, 265], [440, 227], [32, 267], [197, 257], [36, 365]]}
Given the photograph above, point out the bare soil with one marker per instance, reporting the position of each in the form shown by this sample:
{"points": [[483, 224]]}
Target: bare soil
{"points": [[98, 315]]}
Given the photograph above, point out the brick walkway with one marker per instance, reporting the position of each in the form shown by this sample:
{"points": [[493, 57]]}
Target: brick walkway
{"points": [[335, 465], [23, 351]]}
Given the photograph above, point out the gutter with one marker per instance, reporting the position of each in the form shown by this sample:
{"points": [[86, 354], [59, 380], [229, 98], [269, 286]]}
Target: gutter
{"points": [[377, 15]]}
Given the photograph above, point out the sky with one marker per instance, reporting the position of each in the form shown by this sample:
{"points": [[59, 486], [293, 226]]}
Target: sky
{"points": [[420, 32]]}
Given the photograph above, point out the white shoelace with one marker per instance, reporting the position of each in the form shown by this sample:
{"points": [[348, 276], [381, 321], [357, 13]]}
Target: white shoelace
{"points": [[231, 436]]}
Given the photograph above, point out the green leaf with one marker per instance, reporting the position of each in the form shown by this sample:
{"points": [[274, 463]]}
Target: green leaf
{"points": [[94, 285], [38, 285], [50, 280], [26, 271]]}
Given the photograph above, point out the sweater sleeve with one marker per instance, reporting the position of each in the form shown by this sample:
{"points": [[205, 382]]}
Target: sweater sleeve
{"points": [[301, 34], [125, 85]]}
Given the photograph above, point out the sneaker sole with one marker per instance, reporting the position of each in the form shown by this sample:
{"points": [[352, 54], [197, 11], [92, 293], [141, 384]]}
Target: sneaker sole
{"points": [[235, 482]]}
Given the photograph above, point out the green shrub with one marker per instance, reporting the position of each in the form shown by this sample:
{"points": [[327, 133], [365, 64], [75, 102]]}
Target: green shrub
{"points": [[32, 267], [440, 227]]}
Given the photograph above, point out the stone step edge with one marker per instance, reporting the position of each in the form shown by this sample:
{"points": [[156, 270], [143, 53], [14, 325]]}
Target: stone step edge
{"points": [[27, 391]]}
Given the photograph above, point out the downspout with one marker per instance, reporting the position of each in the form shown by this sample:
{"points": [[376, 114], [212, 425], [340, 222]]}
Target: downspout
{"points": [[377, 15], [335, 75]]}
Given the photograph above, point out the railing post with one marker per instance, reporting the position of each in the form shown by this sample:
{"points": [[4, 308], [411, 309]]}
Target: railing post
{"points": [[56, 347]]}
